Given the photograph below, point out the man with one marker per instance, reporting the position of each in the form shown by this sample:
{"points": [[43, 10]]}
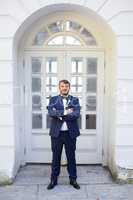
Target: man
{"points": [[64, 110]]}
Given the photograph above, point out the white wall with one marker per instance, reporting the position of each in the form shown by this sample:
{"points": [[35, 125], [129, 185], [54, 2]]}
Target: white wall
{"points": [[7, 124], [124, 123], [117, 14]]}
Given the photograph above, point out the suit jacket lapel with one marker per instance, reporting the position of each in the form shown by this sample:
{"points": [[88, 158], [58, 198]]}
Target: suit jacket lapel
{"points": [[60, 100], [69, 100]]}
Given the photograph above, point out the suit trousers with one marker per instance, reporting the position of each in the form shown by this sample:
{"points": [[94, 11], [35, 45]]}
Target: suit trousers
{"points": [[70, 147]]}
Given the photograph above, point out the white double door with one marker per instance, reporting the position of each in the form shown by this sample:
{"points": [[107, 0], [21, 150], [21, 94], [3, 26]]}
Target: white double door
{"points": [[85, 71]]}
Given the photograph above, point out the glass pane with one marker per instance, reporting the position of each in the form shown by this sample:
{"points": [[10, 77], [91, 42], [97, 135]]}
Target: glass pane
{"points": [[51, 65], [48, 121], [77, 65], [36, 102], [36, 65], [36, 84], [91, 66], [91, 103], [72, 26], [90, 40], [73, 81], [40, 38], [73, 89], [79, 89], [47, 100], [76, 84], [36, 121], [56, 27], [58, 40], [51, 89], [51, 81], [76, 89], [90, 121], [72, 41], [79, 79], [86, 33], [51, 84], [73, 67], [91, 84]]}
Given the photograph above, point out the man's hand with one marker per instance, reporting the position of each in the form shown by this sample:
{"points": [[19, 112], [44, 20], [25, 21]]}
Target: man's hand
{"points": [[60, 118], [69, 111]]}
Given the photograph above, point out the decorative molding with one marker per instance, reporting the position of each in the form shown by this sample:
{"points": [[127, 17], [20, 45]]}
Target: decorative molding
{"points": [[125, 57], [4, 15], [42, 149], [14, 18], [121, 146], [125, 102], [119, 13], [7, 126], [125, 79], [102, 6], [6, 82], [6, 38], [121, 125], [5, 147], [124, 35], [124, 125], [11, 105], [8, 105], [5, 60]]}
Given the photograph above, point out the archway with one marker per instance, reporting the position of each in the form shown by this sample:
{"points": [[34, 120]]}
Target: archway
{"points": [[103, 34]]}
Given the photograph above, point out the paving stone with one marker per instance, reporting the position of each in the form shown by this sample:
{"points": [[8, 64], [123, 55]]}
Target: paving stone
{"points": [[18, 192], [63, 192], [40, 174], [110, 192], [95, 181]]}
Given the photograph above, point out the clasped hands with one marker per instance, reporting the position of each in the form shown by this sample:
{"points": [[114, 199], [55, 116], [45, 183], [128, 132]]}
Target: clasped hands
{"points": [[66, 111]]}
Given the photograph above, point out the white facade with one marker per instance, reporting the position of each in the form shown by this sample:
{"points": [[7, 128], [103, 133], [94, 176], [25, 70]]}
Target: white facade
{"points": [[109, 21]]}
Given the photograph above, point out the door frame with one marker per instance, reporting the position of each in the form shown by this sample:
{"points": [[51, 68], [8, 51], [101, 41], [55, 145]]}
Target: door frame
{"points": [[73, 51]]}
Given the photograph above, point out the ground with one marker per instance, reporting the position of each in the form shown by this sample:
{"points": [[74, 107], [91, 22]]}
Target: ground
{"points": [[95, 181]]}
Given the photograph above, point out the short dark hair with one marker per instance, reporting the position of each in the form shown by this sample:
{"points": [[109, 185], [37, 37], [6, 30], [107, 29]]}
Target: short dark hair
{"points": [[64, 81]]}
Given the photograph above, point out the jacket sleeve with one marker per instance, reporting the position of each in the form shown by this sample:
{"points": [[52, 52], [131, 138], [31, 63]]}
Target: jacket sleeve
{"points": [[76, 111], [52, 111]]}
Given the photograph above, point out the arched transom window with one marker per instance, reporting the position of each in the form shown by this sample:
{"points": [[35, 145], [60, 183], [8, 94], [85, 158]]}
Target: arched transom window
{"points": [[64, 33]]}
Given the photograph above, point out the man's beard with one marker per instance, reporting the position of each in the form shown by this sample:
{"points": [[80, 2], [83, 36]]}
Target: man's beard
{"points": [[65, 93]]}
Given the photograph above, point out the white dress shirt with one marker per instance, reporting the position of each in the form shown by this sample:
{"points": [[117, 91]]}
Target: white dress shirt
{"points": [[64, 125]]}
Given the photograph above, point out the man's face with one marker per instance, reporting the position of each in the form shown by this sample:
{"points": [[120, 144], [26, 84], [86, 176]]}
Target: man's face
{"points": [[64, 88]]}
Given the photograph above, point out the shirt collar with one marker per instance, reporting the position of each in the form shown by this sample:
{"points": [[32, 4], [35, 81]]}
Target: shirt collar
{"points": [[64, 96]]}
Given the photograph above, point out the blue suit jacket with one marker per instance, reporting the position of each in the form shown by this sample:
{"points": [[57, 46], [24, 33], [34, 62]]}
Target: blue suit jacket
{"points": [[56, 110]]}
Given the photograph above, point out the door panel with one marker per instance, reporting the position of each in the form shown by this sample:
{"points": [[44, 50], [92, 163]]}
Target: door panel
{"points": [[85, 72]]}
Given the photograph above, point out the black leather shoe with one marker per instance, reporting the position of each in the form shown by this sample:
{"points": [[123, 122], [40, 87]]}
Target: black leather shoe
{"points": [[74, 184], [51, 185]]}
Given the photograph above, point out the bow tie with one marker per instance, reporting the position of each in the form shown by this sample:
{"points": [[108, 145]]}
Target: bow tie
{"points": [[63, 97]]}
